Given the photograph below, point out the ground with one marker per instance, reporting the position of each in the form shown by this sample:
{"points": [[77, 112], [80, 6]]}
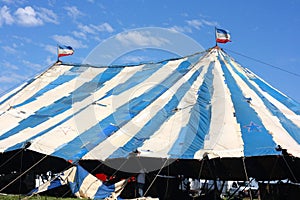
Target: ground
{"points": [[37, 197]]}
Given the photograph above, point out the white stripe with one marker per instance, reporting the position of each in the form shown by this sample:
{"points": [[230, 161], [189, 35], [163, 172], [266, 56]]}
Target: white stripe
{"points": [[89, 187], [271, 122], [43, 187], [81, 122], [5, 96], [14, 116], [160, 143], [89, 117], [224, 137], [122, 136], [291, 115], [43, 101], [285, 110], [65, 51], [156, 78], [109, 105]]}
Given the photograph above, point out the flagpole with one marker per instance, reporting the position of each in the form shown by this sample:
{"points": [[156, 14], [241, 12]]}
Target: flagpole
{"points": [[216, 36], [57, 54]]}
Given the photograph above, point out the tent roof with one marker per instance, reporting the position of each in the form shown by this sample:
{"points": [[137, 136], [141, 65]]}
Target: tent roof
{"points": [[203, 104]]}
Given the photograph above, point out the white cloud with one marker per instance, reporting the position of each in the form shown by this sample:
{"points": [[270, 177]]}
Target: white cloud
{"points": [[23, 39], [198, 24], [94, 29], [10, 66], [5, 16], [210, 23], [47, 15], [80, 35], [87, 28], [105, 27], [68, 40], [10, 50], [51, 48], [28, 17], [11, 77], [50, 60], [141, 38], [184, 14], [133, 59], [195, 23], [31, 65], [91, 29], [73, 12], [182, 29]]}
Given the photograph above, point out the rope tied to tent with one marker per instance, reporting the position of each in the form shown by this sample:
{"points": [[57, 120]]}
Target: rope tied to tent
{"points": [[265, 63], [155, 178], [23, 173]]}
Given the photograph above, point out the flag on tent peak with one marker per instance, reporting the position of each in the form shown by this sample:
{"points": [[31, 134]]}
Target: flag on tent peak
{"points": [[222, 36], [64, 50]]}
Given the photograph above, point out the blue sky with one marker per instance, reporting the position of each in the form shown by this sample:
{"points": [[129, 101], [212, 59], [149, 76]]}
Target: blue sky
{"points": [[265, 30]]}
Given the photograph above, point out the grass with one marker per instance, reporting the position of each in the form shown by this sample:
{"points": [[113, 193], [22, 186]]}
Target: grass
{"points": [[36, 197]]}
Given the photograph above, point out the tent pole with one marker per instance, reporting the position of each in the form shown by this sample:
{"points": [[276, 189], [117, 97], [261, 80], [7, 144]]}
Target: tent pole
{"points": [[291, 171], [201, 167], [203, 187], [247, 178], [213, 176]]}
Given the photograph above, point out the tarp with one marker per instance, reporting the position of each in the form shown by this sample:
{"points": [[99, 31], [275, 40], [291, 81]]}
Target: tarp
{"points": [[82, 184], [185, 108]]}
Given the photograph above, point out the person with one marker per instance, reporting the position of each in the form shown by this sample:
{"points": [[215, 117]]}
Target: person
{"points": [[141, 182]]}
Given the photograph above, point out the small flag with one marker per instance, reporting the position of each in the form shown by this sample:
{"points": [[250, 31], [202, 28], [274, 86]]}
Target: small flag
{"points": [[64, 51], [222, 36]]}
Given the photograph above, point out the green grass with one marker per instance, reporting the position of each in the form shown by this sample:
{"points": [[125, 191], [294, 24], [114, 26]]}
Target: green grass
{"points": [[35, 197]]}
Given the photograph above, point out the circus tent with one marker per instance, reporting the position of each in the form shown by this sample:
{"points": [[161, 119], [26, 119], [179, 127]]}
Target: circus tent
{"points": [[202, 115]]}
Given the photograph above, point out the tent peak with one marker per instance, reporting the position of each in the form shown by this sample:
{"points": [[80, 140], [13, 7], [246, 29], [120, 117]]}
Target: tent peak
{"points": [[217, 47]]}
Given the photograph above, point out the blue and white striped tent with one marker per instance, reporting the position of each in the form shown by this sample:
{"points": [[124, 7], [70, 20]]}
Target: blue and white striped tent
{"points": [[203, 105]]}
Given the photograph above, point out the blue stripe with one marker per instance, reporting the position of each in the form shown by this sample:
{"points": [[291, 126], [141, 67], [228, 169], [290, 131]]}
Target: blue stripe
{"points": [[66, 77], [21, 144], [123, 114], [64, 103], [288, 102], [136, 79], [191, 137], [157, 121], [291, 128], [257, 140], [102, 192], [80, 175], [54, 184]]}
